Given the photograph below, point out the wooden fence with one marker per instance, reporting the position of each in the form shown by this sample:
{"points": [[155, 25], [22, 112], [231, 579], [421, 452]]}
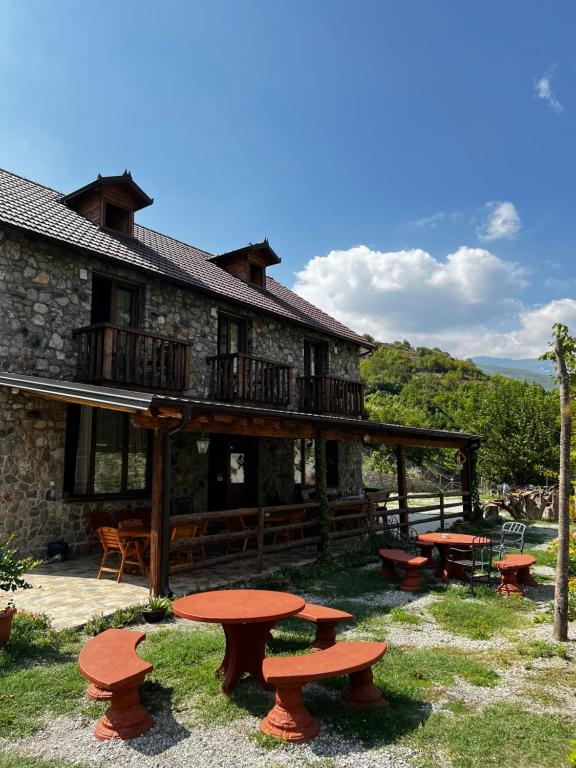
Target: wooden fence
{"points": [[257, 532]]}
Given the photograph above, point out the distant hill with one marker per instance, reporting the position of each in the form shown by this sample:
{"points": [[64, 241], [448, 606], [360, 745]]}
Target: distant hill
{"points": [[524, 369]]}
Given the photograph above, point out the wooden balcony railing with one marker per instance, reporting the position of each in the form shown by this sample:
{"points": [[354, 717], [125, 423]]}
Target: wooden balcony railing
{"points": [[329, 394], [132, 357], [242, 377]]}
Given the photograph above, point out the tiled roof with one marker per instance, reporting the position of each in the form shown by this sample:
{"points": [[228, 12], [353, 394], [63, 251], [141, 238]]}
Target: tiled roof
{"points": [[39, 210]]}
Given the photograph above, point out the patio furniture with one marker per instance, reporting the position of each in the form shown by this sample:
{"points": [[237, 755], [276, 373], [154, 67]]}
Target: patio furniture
{"points": [[247, 617], [326, 621], [412, 564], [131, 524], [511, 538], [182, 538], [472, 564], [98, 518], [289, 719], [114, 543], [110, 663], [443, 542], [287, 517], [239, 525], [515, 573]]}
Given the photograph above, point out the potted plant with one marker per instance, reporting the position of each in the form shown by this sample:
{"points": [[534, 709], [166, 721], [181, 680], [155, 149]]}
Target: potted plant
{"points": [[155, 609], [12, 571]]}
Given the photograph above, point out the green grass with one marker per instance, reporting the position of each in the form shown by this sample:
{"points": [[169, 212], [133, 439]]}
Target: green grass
{"points": [[13, 759], [541, 649], [503, 734], [405, 617], [480, 617]]}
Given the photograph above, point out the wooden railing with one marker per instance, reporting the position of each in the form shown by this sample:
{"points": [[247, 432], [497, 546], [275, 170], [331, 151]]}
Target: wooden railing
{"points": [[329, 394], [245, 378], [255, 532], [132, 357]]}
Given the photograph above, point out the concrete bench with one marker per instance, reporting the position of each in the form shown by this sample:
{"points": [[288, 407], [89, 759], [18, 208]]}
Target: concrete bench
{"points": [[110, 663], [411, 564], [515, 572], [289, 719], [326, 620]]}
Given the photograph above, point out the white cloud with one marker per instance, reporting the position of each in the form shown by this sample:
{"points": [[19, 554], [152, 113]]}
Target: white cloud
{"points": [[431, 222], [469, 303], [543, 90], [502, 222]]}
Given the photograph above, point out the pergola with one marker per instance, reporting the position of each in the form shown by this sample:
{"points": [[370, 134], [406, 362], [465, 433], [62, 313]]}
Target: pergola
{"points": [[166, 415]]}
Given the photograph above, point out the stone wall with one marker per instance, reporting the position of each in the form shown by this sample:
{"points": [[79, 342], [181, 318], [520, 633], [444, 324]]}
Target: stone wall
{"points": [[276, 472], [189, 475], [45, 293], [350, 468], [32, 508]]}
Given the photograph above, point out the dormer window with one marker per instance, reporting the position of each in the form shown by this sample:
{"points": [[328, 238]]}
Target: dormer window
{"points": [[257, 274], [116, 218], [110, 202], [249, 263]]}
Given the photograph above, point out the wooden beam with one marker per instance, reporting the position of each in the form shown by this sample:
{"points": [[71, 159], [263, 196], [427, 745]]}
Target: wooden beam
{"points": [[466, 483], [157, 512], [401, 484]]}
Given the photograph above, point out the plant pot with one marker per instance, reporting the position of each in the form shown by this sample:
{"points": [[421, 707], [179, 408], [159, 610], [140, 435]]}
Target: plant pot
{"points": [[6, 617], [153, 617]]}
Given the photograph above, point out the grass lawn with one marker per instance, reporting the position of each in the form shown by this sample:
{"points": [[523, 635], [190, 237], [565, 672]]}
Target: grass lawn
{"points": [[469, 682]]}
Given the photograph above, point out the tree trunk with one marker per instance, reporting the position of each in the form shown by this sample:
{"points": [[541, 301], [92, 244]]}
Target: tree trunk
{"points": [[561, 588]]}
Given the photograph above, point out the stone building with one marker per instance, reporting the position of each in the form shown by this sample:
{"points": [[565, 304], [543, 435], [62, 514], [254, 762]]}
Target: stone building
{"points": [[87, 295]]}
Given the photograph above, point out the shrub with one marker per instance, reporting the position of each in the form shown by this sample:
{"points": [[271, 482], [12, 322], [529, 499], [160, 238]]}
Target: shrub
{"points": [[13, 568]]}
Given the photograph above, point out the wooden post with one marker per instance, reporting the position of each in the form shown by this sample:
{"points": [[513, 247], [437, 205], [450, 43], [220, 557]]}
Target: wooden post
{"points": [[466, 483], [441, 510], [401, 479], [157, 513], [260, 540], [108, 349], [322, 495]]}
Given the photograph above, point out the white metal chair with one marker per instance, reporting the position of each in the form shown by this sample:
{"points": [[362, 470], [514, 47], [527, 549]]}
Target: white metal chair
{"points": [[511, 538]]}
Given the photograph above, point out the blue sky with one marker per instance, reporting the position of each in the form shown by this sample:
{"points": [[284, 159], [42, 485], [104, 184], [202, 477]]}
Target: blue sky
{"points": [[413, 162]]}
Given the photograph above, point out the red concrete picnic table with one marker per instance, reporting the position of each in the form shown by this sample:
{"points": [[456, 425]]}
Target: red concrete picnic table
{"points": [[443, 542], [247, 617]]}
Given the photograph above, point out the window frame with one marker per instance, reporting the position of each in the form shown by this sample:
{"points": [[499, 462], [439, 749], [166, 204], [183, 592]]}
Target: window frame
{"points": [[260, 270], [71, 452], [309, 345], [116, 283], [226, 318], [127, 211]]}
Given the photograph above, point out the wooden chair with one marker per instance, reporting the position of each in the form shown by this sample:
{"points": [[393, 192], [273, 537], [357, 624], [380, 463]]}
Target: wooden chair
{"points": [[99, 518], [182, 538], [114, 543], [236, 525]]}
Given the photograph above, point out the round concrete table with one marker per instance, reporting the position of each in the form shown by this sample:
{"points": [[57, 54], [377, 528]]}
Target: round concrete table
{"points": [[247, 616], [443, 542]]}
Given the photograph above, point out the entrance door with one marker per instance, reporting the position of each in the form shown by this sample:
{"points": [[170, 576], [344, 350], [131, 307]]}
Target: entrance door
{"points": [[232, 472]]}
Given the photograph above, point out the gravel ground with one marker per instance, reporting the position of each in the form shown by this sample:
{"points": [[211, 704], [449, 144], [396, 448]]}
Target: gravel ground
{"points": [[170, 743]]}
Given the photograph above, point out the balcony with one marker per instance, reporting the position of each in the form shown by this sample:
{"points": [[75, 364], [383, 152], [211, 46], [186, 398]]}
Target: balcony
{"points": [[243, 378], [330, 395], [110, 354]]}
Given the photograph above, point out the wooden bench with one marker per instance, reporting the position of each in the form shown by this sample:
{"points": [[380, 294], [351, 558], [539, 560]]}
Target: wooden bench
{"points": [[289, 719], [326, 620], [411, 563], [515, 572], [110, 663]]}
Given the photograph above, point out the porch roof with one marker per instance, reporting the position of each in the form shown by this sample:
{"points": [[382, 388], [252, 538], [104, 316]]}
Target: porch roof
{"points": [[155, 411]]}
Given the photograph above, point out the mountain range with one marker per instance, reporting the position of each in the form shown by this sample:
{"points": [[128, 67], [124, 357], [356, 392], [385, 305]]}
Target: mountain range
{"points": [[525, 369]]}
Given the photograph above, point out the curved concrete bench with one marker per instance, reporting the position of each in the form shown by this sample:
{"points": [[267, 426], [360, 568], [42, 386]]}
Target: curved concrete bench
{"points": [[289, 719], [515, 572], [110, 663], [411, 563], [326, 620]]}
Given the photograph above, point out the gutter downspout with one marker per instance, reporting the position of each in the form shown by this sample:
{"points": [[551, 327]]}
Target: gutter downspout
{"points": [[167, 492]]}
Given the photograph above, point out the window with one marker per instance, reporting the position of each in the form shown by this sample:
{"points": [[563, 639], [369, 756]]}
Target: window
{"points": [[315, 358], [305, 463], [114, 302], [105, 454], [231, 335], [116, 218], [256, 273]]}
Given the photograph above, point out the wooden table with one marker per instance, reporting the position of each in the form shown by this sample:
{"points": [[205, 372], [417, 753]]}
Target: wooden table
{"points": [[443, 542], [247, 616]]}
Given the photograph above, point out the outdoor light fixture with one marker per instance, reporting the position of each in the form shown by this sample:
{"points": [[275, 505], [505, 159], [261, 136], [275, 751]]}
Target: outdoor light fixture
{"points": [[202, 443]]}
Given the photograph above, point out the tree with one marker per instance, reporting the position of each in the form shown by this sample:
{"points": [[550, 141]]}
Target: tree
{"points": [[563, 352]]}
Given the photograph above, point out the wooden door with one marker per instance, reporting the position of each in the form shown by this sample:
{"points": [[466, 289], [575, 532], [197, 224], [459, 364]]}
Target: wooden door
{"points": [[232, 472]]}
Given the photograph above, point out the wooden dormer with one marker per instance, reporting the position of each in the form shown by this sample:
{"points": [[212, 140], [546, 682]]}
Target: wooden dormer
{"points": [[249, 263], [110, 202]]}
